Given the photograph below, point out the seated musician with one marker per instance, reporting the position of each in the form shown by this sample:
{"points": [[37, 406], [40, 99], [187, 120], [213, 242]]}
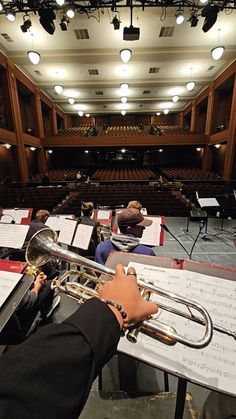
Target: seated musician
{"points": [[131, 224], [50, 375], [137, 205]]}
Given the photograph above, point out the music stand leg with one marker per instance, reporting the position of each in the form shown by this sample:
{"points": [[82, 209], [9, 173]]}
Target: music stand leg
{"points": [[166, 381], [180, 398]]}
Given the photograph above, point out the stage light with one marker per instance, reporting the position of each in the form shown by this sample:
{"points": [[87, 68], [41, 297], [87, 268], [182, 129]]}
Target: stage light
{"points": [[116, 23], [47, 16], [71, 100], [125, 55], [210, 13], [70, 12], [34, 57], [179, 17], [11, 16], [26, 25], [175, 98], [64, 23], [190, 85], [193, 20]]}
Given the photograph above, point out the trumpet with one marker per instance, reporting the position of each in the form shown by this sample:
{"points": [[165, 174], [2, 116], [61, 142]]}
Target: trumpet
{"points": [[43, 246]]}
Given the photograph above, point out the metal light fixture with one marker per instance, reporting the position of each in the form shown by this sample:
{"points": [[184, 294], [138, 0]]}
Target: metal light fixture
{"points": [[190, 85], [58, 87], [26, 24], [71, 100], [33, 55], [166, 111], [179, 16], [217, 52], [64, 23], [124, 87], [175, 98], [123, 112], [80, 113], [125, 55], [115, 22], [123, 99]]}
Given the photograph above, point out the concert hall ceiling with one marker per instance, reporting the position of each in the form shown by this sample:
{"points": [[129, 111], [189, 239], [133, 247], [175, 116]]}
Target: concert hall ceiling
{"points": [[85, 58]]}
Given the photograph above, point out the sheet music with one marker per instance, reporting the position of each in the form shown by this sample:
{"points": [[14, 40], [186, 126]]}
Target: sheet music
{"points": [[103, 214], [83, 236], [13, 235], [8, 281], [151, 235], [14, 214], [67, 230], [208, 202], [213, 366], [55, 221]]}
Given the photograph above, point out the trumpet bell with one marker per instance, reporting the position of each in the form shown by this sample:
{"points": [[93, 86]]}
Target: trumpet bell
{"points": [[37, 250]]}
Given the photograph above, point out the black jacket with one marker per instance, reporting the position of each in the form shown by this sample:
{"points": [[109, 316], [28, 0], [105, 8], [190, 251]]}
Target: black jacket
{"points": [[49, 375]]}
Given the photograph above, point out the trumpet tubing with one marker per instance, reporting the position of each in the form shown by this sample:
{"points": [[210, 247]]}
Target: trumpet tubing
{"points": [[43, 246]]}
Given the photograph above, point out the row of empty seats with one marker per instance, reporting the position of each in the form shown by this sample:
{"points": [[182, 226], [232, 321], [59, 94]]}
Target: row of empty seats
{"points": [[188, 173], [123, 174]]}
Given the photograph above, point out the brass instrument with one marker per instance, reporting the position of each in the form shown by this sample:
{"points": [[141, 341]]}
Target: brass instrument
{"points": [[43, 246]]}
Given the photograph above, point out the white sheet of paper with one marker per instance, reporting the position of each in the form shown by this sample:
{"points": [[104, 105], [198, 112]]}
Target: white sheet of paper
{"points": [[55, 221], [83, 236], [14, 214], [213, 366], [208, 202], [151, 235], [8, 281], [67, 230], [13, 235], [103, 214]]}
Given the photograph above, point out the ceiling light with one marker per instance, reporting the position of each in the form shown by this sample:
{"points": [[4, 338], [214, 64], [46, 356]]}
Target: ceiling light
{"points": [[158, 113], [190, 85], [123, 112], [166, 111], [86, 151], [80, 113], [160, 150], [175, 98], [34, 57], [1, 6], [47, 16], [6, 145], [64, 23], [124, 86], [123, 150], [87, 115], [32, 148], [11, 16], [58, 88], [60, 2], [26, 25], [71, 100], [203, 1], [123, 99], [217, 145], [193, 20], [179, 17], [125, 55], [198, 148], [116, 23], [217, 52], [50, 151], [70, 12], [210, 13]]}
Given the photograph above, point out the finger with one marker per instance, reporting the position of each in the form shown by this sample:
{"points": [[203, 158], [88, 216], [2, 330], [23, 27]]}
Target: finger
{"points": [[119, 271], [152, 308], [131, 271]]}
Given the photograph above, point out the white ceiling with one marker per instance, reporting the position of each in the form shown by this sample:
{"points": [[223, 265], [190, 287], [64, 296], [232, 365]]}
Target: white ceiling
{"points": [[180, 58]]}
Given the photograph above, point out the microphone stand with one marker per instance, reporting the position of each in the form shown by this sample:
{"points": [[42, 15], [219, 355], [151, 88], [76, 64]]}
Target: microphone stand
{"points": [[202, 224], [168, 231]]}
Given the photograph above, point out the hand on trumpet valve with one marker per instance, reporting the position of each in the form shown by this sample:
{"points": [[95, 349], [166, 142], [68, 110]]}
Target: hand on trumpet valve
{"points": [[123, 290]]}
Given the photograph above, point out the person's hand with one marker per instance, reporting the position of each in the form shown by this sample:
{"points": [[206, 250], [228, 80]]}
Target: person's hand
{"points": [[39, 281], [123, 289]]}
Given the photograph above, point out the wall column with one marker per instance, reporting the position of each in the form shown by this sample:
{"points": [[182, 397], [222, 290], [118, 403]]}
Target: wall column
{"points": [[230, 148], [207, 157], [193, 117], [54, 130], [16, 116]]}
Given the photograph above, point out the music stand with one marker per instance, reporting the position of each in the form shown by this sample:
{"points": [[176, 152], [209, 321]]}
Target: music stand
{"points": [[197, 215], [208, 204]]}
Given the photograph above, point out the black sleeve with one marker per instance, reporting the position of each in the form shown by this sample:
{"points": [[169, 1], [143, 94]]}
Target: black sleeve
{"points": [[49, 375]]}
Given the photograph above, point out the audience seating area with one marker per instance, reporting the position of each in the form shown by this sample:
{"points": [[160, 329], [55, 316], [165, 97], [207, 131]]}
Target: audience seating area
{"points": [[188, 173], [33, 197], [157, 202], [80, 130], [123, 174], [123, 130]]}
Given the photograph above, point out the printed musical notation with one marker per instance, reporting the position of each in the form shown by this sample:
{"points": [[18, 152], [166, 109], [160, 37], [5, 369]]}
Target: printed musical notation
{"points": [[213, 366]]}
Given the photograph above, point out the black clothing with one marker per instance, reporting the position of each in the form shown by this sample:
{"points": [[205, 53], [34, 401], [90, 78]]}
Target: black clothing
{"points": [[34, 226], [49, 375], [90, 252]]}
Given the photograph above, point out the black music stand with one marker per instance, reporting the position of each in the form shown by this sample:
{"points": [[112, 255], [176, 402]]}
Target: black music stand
{"points": [[209, 205], [197, 215]]}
